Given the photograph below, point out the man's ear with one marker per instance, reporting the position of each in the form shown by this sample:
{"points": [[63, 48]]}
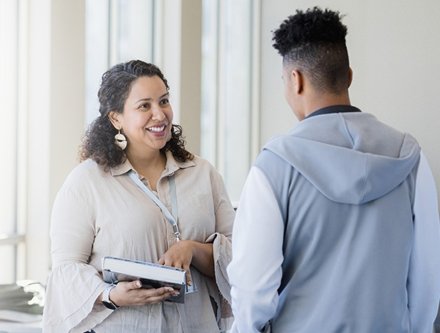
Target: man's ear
{"points": [[350, 76], [113, 116], [298, 80]]}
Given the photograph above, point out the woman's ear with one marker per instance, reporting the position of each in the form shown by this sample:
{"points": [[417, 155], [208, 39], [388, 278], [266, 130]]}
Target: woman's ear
{"points": [[113, 116]]}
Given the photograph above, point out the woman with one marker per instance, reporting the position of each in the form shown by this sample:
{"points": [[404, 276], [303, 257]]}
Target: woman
{"points": [[101, 211]]}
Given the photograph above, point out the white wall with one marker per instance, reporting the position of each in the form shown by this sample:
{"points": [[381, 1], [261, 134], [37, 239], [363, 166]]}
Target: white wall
{"points": [[395, 56]]}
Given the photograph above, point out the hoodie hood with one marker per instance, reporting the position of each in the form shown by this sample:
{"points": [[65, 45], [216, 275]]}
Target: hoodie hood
{"points": [[349, 157]]}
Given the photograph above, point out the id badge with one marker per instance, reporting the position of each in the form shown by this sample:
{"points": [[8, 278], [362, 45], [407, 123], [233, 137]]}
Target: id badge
{"points": [[191, 288]]}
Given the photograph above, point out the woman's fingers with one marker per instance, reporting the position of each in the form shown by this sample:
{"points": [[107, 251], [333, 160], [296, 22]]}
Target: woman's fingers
{"points": [[150, 296], [134, 285], [132, 293], [188, 275], [178, 255]]}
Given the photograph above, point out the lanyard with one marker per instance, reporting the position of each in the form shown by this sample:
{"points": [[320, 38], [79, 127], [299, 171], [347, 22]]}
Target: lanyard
{"points": [[170, 218]]}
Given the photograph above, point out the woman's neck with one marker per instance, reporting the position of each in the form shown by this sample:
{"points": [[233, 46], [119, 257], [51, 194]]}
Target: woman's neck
{"points": [[148, 165]]}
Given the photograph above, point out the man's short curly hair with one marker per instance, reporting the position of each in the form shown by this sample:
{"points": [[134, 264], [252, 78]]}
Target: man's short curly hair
{"points": [[314, 41], [98, 143]]}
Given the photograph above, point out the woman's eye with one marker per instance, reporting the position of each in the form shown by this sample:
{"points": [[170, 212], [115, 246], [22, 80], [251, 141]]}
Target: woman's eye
{"points": [[165, 101], [145, 106]]}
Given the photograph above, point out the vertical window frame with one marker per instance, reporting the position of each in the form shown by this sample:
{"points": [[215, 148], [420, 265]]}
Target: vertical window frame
{"points": [[218, 144], [14, 235]]}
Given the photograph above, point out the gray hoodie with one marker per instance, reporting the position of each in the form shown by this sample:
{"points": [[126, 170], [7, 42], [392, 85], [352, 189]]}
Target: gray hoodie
{"points": [[356, 256]]}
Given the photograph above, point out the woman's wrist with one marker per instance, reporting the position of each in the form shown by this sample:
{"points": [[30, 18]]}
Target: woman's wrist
{"points": [[106, 299]]}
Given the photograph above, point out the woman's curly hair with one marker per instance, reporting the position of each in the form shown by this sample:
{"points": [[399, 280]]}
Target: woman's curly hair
{"points": [[314, 40], [99, 141]]}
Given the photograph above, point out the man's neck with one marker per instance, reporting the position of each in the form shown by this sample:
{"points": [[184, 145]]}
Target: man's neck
{"points": [[324, 100]]}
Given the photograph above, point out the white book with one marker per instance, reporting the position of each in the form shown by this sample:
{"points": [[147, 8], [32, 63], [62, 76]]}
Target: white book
{"points": [[150, 274]]}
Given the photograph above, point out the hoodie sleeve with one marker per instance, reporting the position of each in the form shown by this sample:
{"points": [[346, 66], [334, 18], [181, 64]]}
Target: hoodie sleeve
{"points": [[424, 274], [257, 251]]}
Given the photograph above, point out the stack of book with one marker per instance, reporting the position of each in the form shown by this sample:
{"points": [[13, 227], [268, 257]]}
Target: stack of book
{"points": [[21, 302]]}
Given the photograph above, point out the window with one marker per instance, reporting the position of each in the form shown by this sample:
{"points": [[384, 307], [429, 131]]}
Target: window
{"points": [[230, 81], [12, 209], [116, 31]]}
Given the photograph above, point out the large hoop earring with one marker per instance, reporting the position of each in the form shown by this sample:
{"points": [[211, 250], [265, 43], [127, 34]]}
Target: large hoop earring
{"points": [[120, 140]]}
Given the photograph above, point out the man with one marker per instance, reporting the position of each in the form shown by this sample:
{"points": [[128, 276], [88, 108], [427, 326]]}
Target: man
{"points": [[337, 229]]}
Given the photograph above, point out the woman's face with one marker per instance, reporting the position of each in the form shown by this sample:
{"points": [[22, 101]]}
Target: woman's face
{"points": [[147, 117]]}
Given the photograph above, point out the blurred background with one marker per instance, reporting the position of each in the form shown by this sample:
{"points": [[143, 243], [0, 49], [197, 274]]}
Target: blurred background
{"points": [[225, 79]]}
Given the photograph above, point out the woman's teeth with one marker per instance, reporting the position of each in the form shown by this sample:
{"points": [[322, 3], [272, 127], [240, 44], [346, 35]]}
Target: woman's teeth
{"points": [[156, 129]]}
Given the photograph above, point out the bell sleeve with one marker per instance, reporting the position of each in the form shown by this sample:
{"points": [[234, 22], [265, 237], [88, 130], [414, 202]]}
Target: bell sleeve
{"points": [[73, 284], [222, 250]]}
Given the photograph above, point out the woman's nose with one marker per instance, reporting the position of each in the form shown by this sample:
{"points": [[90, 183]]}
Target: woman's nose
{"points": [[158, 114]]}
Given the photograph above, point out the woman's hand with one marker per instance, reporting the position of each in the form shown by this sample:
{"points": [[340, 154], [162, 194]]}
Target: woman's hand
{"points": [[184, 253], [179, 255], [132, 293]]}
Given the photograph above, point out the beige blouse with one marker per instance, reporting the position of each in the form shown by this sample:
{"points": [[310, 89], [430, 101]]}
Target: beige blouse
{"points": [[98, 213]]}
